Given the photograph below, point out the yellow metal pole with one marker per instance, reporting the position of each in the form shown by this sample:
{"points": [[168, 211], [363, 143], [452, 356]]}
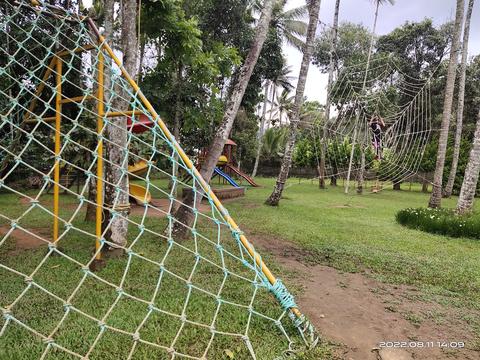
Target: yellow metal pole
{"points": [[40, 88], [58, 120], [124, 113], [266, 271], [100, 114]]}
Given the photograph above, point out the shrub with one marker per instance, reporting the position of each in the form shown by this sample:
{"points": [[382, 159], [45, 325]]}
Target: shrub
{"points": [[440, 221]]}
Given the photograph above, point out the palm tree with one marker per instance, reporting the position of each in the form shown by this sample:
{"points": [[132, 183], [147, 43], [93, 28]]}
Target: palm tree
{"points": [[184, 213], [355, 134], [461, 99], [436, 197], [469, 185], [282, 79], [284, 105], [331, 68], [313, 9], [289, 24], [274, 139]]}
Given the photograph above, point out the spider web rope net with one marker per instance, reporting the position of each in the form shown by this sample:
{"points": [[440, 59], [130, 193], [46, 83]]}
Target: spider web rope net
{"points": [[356, 96], [167, 298]]}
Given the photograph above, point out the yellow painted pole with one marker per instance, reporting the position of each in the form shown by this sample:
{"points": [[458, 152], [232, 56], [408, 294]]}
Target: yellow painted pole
{"points": [[266, 271], [40, 88], [58, 120], [100, 114]]}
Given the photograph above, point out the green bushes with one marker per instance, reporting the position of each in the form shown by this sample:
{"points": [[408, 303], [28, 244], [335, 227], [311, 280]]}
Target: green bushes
{"points": [[440, 221]]}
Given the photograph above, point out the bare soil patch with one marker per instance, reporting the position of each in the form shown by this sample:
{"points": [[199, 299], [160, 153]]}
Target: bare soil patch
{"points": [[359, 312], [24, 240]]}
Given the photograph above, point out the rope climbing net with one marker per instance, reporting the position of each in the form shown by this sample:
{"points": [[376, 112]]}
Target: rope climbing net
{"points": [[359, 95], [63, 92]]}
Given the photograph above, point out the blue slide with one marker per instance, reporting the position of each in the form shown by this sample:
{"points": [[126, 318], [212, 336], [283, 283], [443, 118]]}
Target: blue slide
{"points": [[226, 177]]}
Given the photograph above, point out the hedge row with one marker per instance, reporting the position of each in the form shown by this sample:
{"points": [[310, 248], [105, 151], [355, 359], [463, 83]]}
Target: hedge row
{"points": [[440, 221]]}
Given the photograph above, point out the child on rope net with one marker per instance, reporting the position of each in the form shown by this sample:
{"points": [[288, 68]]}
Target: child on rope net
{"points": [[376, 125]]}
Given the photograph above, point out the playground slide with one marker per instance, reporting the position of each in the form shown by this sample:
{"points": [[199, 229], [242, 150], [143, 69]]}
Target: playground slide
{"points": [[139, 168], [243, 175], [140, 194], [226, 177]]}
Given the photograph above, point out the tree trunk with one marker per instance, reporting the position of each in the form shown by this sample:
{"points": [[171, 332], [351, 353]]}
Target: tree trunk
{"points": [[396, 186], [261, 130], [461, 100], [362, 166], [177, 124], [361, 171], [184, 213], [90, 214], [331, 69], [272, 104], [425, 186], [436, 197], [469, 185], [116, 176], [355, 134], [274, 198]]}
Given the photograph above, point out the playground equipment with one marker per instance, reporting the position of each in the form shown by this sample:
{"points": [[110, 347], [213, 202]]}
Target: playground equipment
{"points": [[165, 290], [227, 166], [137, 192], [140, 194]]}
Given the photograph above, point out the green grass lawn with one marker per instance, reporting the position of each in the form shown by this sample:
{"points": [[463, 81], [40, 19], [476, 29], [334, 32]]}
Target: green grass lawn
{"points": [[348, 232], [354, 233], [108, 308]]}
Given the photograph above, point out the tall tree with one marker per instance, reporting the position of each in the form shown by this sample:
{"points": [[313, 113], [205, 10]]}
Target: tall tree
{"points": [[436, 197], [280, 79], [331, 69], [461, 101], [116, 178], [313, 9], [364, 136], [469, 185], [261, 129], [184, 213]]}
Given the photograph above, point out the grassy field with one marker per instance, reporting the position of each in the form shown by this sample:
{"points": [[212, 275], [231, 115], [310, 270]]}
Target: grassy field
{"points": [[188, 296], [354, 233], [349, 232]]}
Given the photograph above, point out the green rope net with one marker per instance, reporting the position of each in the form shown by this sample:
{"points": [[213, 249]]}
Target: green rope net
{"points": [[203, 296]]}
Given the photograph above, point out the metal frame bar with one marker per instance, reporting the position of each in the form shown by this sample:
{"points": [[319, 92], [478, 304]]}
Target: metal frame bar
{"points": [[258, 260], [99, 198], [58, 123]]}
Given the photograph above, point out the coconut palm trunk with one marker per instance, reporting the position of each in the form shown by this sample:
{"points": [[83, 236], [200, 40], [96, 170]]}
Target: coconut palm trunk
{"points": [[261, 131], [461, 100], [357, 122], [184, 213], [470, 180], [116, 177], [276, 195], [436, 197], [331, 69]]}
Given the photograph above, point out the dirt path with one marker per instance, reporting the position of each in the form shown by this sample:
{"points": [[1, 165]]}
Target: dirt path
{"points": [[358, 312]]}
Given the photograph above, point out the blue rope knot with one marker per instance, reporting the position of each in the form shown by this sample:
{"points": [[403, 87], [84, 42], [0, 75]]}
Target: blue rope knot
{"points": [[299, 321], [286, 300], [7, 314]]}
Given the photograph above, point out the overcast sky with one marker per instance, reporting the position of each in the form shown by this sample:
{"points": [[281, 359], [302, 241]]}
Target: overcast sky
{"points": [[390, 17]]}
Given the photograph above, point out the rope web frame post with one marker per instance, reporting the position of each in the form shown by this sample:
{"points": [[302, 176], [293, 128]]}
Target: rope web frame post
{"points": [[190, 298]]}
